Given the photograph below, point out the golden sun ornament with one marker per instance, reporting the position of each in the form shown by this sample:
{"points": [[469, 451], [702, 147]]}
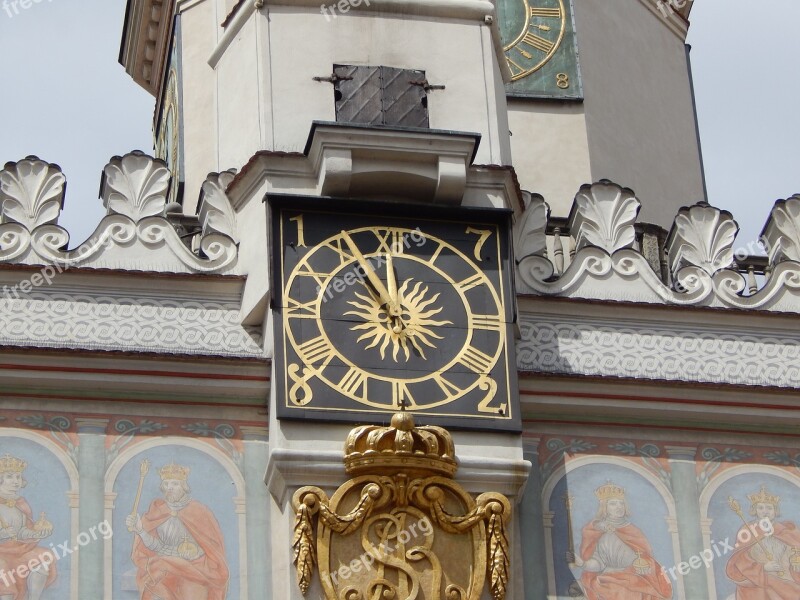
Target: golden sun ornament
{"points": [[411, 327]]}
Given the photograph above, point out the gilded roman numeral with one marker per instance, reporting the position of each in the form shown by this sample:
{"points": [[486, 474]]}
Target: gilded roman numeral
{"points": [[538, 42], [316, 350], [471, 282], [341, 249], [488, 322], [300, 310], [354, 383], [546, 12], [477, 361], [515, 68], [449, 388], [391, 242], [305, 270]]}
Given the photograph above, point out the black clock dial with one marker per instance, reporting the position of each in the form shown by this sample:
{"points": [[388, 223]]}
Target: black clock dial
{"points": [[376, 312]]}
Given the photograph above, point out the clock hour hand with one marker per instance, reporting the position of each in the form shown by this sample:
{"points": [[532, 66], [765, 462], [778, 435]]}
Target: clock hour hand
{"points": [[383, 294]]}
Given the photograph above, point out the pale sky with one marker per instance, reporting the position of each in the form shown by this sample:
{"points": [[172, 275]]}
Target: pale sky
{"points": [[67, 100]]}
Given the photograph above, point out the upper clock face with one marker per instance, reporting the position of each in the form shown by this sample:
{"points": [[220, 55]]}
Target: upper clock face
{"points": [[379, 311], [541, 25], [539, 45]]}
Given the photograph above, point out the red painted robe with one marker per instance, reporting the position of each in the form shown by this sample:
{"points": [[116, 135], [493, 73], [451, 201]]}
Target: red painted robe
{"points": [[175, 578], [625, 584], [15, 553], [746, 566]]}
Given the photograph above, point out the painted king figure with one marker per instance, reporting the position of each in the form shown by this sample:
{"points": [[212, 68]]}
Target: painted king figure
{"points": [[766, 562], [615, 556], [179, 549], [19, 537]]}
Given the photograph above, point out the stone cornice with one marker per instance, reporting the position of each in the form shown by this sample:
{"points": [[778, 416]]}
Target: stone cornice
{"points": [[290, 469], [145, 41]]}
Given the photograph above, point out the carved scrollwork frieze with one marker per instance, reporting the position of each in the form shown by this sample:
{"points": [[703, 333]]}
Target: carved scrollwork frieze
{"points": [[134, 235]]}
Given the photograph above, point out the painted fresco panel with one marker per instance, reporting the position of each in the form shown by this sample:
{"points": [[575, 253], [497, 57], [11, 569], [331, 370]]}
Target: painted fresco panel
{"points": [[610, 535], [35, 518], [765, 562], [197, 554]]}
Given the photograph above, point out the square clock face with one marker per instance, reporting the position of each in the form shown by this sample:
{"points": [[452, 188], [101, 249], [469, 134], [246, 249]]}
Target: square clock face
{"points": [[379, 306]]}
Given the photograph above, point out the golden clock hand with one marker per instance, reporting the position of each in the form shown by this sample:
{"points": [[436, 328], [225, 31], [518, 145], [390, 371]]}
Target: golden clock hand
{"points": [[391, 281], [372, 277]]}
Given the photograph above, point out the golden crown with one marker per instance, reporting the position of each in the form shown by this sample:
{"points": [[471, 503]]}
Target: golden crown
{"points": [[608, 491], [173, 471], [763, 497], [11, 464], [400, 447]]}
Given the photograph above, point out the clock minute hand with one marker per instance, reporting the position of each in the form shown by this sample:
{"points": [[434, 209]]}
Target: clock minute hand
{"points": [[395, 311], [375, 281]]}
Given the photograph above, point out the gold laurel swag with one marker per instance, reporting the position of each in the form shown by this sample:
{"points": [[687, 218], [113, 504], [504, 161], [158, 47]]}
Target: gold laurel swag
{"points": [[311, 501]]}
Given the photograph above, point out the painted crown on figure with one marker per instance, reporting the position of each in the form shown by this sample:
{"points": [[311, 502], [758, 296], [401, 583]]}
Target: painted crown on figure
{"points": [[763, 497], [609, 491], [173, 471], [11, 464]]}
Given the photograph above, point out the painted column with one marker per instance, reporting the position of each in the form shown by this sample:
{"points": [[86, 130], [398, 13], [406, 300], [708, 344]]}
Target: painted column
{"points": [[687, 507], [91, 471], [534, 557], [256, 454]]}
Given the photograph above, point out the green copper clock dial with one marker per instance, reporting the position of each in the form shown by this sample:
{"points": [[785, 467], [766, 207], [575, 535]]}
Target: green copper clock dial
{"points": [[539, 46], [375, 309]]}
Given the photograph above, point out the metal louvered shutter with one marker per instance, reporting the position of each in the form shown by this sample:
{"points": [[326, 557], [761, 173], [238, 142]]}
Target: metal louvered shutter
{"points": [[380, 96]]}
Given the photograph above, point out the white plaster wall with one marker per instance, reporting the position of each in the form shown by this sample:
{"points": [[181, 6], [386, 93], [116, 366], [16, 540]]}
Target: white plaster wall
{"points": [[200, 23], [550, 150], [301, 44], [638, 103], [237, 91]]}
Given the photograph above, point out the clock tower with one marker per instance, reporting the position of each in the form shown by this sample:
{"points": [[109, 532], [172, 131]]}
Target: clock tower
{"points": [[382, 320], [380, 155]]}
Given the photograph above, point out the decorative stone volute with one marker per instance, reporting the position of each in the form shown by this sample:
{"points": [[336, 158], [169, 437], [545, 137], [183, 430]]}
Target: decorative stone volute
{"points": [[781, 234], [702, 236], [530, 230], [400, 447], [135, 185], [31, 192], [214, 210], [603, 215]]}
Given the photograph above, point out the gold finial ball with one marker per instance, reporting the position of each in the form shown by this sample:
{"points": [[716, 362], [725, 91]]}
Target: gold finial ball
{"points": [[403, 421]]}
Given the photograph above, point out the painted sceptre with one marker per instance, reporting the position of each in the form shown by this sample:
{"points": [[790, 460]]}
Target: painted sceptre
{"points": [[144, 468], [736, 507], [568, 500]]}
